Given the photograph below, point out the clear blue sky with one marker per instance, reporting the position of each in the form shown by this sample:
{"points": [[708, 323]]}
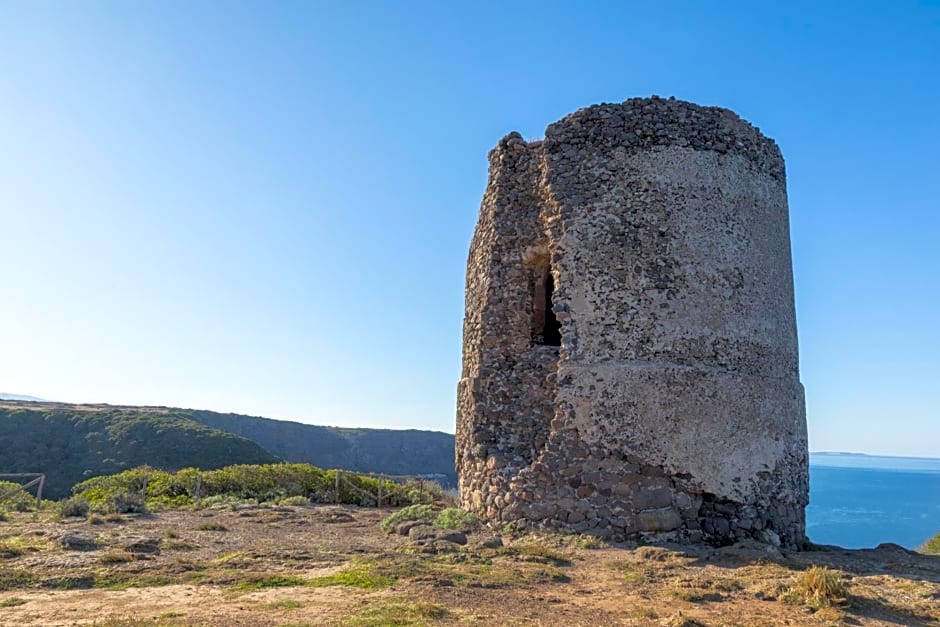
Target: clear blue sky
{"points": [[266, 207]]}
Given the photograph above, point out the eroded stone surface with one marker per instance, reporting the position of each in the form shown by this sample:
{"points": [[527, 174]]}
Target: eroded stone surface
{"points": [[672, 407]]}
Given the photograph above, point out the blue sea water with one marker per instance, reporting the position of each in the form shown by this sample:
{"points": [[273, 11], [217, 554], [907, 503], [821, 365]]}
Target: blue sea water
{"points": [[861, 501]]}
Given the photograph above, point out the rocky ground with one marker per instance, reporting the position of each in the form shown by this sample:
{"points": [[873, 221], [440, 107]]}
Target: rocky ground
{"points": [[332, 565]]}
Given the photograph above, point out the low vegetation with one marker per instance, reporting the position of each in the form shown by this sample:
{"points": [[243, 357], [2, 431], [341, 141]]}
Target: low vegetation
{"points": [[138, 489], [336, 563], [74, 507], [817, 587], [70, 443], [285, 604], [365, 576], [932, 546], [261, 582], [453, 518], [116, 556], [397, 611], [18, 501], [15, 546]]}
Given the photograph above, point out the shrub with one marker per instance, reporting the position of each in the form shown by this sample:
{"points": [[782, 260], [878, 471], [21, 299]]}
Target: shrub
{"points": [[449, 518], [413, 512], [932, 546], [816, 587], [455, 518], [74, 506], [298, 501], [20, 501], [255, 483], [423, 491], [99, 490], [223, 500], [124, 503]]}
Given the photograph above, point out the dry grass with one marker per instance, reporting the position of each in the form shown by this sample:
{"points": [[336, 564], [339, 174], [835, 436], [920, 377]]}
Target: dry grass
{"points": [[817, 587], [366, 576], [538, 552], [347, 572], [16, 546], [284, 604], [397, 611], [116, 556]]}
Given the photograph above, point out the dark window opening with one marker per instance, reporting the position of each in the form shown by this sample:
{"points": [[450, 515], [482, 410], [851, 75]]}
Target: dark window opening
{"points": [[549, 331]]}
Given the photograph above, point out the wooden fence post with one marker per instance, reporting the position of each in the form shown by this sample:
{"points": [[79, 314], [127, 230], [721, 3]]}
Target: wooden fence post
{"points": [[36, 478], [42, 482]]}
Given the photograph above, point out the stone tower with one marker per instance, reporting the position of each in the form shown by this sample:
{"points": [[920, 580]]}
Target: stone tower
{"points": [[629, 345]]}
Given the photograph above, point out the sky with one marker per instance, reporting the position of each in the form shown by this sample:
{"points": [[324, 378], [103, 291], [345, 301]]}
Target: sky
{"points": [[265, 207]]}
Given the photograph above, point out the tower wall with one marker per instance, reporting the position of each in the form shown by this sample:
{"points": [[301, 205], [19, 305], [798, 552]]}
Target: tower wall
{"points": [[673, 406]]}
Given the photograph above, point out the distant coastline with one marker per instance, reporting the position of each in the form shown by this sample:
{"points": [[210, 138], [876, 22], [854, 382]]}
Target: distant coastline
{"points": [[874, 463], [20, 397], [850, 454]]}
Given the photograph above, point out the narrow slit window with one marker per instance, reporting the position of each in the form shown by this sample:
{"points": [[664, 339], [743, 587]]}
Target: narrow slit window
{"points": [[547, 327]]}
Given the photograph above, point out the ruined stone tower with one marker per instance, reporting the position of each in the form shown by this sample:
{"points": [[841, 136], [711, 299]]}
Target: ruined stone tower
{"points": [[629, 351]]}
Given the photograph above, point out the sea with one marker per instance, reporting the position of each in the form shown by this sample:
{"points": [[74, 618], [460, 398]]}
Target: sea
{"points": [[860, 501]]}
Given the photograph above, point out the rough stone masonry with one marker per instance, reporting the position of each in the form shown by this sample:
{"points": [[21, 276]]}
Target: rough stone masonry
{"points": [[629, 346]]}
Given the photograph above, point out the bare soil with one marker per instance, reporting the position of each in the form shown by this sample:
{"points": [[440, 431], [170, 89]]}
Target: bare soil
{"points": [[332, 565]]}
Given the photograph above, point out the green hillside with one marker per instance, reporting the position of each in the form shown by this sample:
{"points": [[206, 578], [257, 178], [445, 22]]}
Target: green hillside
{"points": [[70, 443], [401, 452]]}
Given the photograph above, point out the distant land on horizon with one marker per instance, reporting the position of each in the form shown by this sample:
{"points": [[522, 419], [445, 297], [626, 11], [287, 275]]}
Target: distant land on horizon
{"points": [[4, 396], [851, 454], [20, 397]]}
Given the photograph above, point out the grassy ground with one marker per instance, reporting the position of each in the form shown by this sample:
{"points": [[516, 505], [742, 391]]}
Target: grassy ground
{"points": [[332, 565]]}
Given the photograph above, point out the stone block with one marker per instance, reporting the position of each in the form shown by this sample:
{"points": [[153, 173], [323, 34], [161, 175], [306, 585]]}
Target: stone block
{"points": [[665, 519], [652, 498]]}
